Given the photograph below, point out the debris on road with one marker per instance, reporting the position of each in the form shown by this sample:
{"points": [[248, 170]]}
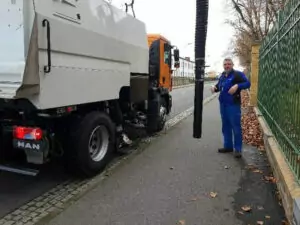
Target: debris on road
{"points": [[252, 134], [284, 222], [181, 222], [257, 171], [246, 208], [213, 194], [270, 179]]}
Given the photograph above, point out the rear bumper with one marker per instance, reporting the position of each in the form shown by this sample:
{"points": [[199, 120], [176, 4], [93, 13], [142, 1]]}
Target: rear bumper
{"points": [[35, 150]]}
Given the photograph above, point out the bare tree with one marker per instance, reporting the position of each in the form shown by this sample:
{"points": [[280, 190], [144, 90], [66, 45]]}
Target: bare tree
{"points": [[252, 22]]}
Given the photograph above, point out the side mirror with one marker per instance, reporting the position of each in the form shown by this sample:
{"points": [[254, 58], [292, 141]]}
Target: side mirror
{"points": [[176, 58], [176, 55]]}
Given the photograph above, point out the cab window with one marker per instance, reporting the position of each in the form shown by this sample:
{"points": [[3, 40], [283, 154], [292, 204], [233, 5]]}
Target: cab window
{"points": [[166, 57], [167, 54]]}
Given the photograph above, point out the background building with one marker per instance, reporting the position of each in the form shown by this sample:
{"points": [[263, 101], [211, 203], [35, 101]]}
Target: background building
{"points": [[186, 69]]}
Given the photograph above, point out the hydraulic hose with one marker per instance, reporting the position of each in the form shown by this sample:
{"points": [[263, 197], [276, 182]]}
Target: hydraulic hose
{"points": [[200, 42]]}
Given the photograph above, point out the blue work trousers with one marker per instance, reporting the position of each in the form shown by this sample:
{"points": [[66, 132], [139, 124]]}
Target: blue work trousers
{"points": [[231, 124]]}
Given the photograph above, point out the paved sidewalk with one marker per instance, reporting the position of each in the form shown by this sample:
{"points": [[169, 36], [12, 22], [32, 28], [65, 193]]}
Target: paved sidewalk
{"points": [[170, 183]]}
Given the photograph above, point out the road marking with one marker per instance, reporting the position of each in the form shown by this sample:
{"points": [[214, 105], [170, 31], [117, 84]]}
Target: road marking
{"points": [[54, 201]]}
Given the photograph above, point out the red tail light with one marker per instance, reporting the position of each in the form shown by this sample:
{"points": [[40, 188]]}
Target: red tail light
{"points": [[28, 133]]}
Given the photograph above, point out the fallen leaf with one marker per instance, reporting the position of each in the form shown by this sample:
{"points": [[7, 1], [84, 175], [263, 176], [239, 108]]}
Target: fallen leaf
{"points": [[240, 212], [267, 178], [257, 171], [182, 222], [250, 166], [260, 223], [246, 208], [252, 134], [213, 194], [268, 217], [270, 179]]}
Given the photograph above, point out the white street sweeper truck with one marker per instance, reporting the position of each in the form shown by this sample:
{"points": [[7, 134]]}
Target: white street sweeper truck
{"points": [[73, 73]]}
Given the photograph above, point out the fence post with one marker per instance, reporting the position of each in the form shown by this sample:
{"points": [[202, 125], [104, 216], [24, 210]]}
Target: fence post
{"points": [[254, 73]]}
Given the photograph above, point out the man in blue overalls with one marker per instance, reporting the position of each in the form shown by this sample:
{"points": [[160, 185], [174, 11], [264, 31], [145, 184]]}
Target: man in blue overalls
{"points": [[230, 84]]}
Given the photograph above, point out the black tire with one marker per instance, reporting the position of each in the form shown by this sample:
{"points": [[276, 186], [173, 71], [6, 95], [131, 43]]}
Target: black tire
{"points": [[156, 122], [78, 155], [162, 118]]}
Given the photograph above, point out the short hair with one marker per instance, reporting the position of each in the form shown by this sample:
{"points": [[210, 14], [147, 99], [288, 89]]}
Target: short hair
{"points": [[228, 59]]}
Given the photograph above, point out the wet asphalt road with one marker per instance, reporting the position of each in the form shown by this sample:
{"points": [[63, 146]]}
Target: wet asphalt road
{"points": [[16, 190], [184, 98], [170, 183]]}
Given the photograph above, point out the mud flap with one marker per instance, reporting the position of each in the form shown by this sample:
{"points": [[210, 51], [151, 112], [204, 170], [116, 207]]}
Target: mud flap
{"points": [[153, 111]]}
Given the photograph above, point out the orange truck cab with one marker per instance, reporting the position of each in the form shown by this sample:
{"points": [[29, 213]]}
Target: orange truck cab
{"points": [[160, 60], [160, 79]]}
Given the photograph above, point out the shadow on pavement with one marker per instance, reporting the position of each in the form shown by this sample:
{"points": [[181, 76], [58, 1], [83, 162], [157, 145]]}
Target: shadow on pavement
{"points": [[257, 192]]}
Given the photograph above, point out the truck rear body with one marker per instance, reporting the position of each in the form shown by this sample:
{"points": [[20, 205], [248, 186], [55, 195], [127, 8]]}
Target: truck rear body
{"points": [[70, 68], [85, 49]]}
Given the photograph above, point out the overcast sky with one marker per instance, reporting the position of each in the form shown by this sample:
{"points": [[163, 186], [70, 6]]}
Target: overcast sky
{"points": [[176, 20]]}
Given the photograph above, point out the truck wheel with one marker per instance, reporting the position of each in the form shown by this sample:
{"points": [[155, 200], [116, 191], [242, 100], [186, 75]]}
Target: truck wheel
{"points": [[91, 144], [162, 119], [157, 121]]}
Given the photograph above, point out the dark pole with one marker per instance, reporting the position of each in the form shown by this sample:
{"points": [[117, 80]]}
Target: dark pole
{"points": [[200, 42]]}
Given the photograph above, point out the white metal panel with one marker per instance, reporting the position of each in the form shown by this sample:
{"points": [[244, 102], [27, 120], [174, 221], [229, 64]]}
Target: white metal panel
{"points": [[16, 22], [94, 47], [103, 31], [71, 83], [92, 56]]}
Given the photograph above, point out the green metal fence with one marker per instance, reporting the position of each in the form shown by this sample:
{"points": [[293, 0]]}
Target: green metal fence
{"points": [[279, 82]]}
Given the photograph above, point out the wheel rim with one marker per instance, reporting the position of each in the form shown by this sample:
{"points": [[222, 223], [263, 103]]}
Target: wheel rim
{"points": [[98, 143], [163, 114]]}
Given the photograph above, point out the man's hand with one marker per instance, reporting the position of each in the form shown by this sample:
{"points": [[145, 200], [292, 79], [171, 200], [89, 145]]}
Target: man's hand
{"points": [[213, 89], [233, 89]]}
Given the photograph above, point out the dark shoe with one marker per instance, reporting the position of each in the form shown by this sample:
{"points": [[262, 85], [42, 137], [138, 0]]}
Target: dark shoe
{"points": [[238, 155], [225, 150]]}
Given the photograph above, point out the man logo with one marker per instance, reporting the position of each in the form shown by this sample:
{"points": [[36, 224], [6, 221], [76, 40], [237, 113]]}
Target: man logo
{"points": [[22, 144]]}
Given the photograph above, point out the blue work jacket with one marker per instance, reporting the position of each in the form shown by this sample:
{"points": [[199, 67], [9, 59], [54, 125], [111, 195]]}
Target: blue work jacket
{"points": [[226, 82]]}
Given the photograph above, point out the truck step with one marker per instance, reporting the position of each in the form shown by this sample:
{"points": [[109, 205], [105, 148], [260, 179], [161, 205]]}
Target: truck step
{"points": [[23, 171], [135, 125]]}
